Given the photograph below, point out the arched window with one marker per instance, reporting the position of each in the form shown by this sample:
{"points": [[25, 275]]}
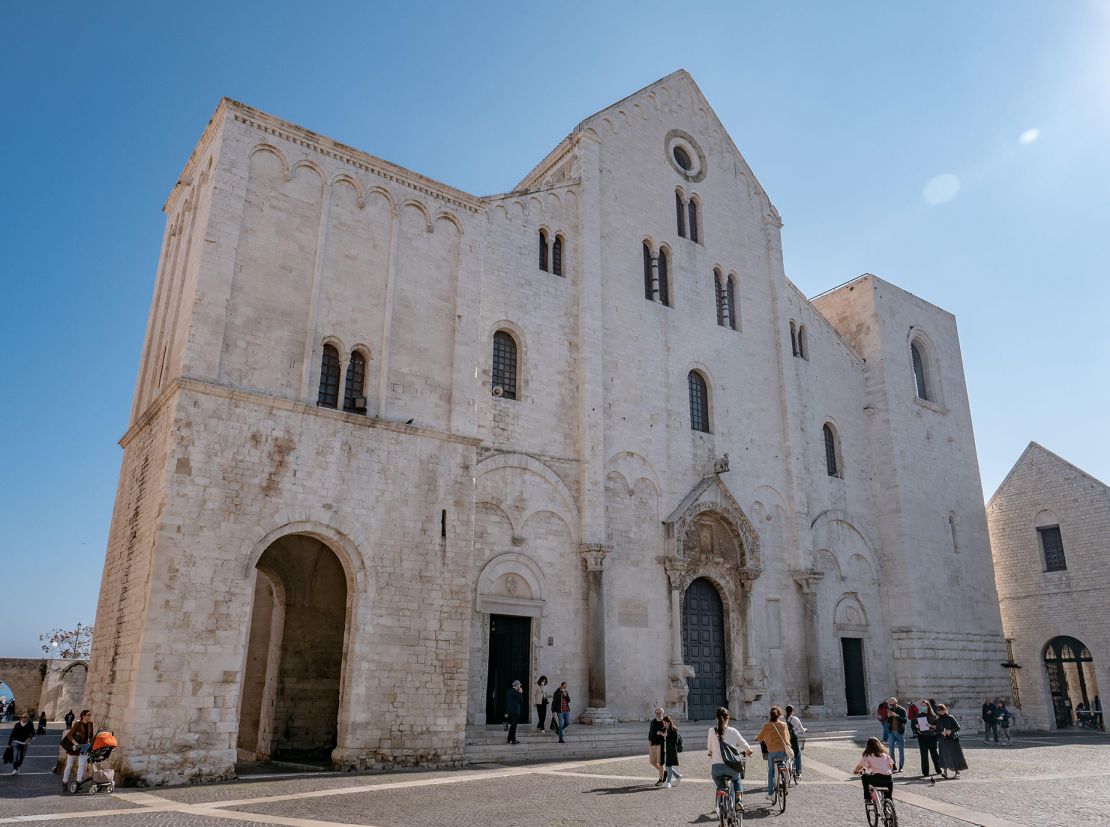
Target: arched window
{"points": [[921, 386], [503, 375], [680, 212], [329, 378], [649, 292], [730, 298], [793, 337], [803, 343], [830, 451], [543, 251], [719, 294], [664, 282], [693, 209], [354, 397], [557, 256], [699, 402]]}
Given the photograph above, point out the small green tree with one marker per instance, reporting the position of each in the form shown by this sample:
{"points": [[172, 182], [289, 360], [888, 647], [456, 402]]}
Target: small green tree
{"points": [[71, 644]]}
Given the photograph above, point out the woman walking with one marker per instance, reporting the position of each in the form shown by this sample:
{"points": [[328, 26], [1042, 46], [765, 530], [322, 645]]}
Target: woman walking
{"points": [[655, 744], [951, 753], [924, 729], [775, 736], [42, 723], [672, 746], [1002, 717], [540, 699]]}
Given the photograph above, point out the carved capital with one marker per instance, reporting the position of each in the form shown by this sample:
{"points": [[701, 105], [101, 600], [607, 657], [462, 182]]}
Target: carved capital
{"points": [[594, 554], [748, 576], [676, 570], [807, 580]]}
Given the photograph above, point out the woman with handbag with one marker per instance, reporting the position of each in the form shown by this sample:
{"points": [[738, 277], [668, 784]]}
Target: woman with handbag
{"points": [[951, 753], [776, 737], [727, 749], [672, 746], [540, 699]]}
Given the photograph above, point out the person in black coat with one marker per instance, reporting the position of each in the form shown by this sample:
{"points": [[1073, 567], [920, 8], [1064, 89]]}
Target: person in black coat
{"points": [[69, 719], [21, 736], [42, 723], [514, 709], [672, 746], [925, 731], [951, 753], [655, 744]]}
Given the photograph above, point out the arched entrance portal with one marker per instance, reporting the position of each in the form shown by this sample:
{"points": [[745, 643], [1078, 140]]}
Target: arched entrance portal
{"points": [[1071, 677], [289, 702], [703, 648]]}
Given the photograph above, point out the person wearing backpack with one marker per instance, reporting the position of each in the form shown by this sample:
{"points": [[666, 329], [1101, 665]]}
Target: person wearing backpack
{"points": [[794, 724], [726, 748], [672, 746]]}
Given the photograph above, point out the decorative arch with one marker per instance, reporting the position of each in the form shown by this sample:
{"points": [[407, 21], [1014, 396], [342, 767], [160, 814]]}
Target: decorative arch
{"points": [[345, 545], [308, 163], [924, 368], [449, 218], [632, 467], [825, 526], [421, 208], [355, 184], [849, 617], [277, 153], [511, 583], [533, 466]]}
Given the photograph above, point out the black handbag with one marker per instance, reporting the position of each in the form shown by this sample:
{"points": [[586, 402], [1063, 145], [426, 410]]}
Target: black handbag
{"points": [[678, 743], [730, 756], [9, 754]]}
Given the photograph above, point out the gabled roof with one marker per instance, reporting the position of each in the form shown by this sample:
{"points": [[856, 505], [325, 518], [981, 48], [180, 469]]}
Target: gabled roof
{"points": [[1032, 449]]}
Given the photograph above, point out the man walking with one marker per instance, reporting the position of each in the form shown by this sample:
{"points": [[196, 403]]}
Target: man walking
{"points": [[990, 723], [896, 717], [69, 719], [514, 707], [20, 738], [560, 705]]}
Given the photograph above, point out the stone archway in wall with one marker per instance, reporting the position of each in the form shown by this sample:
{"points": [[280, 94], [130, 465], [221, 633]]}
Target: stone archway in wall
{"points": [[1071, 680], [291, 688], [24, 678]]}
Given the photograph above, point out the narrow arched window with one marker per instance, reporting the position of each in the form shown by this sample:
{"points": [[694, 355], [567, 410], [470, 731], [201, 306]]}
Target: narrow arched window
{"points": [[793, 338], [830, 451], [504, 365], [680, 212], [649, 292], [803, 343], [730, 298], [354, 397], [921, 386], [719, 294], [664, 282], [543, 251], [557, 256], [329, 378], [693, 208], [699, 402]]}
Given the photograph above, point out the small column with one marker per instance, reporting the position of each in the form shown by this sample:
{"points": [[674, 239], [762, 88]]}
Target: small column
{"points": [[596, 713], [679, 671], [807, 581]]}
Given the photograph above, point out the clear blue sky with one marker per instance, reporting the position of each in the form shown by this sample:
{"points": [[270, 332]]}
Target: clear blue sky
{"points": [[846, 111]]}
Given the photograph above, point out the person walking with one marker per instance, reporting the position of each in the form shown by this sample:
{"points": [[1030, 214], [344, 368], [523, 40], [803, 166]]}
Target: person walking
{"points": [[540, 699], [76, 743], [989, 722], [881, 714], [794, 725], [672, 746], [776, 737], [514, 709], [42, 723], [924, 730], [721, 734], [655, 744], [560, 705], [69, 718], [896, 718], [951, 753], [1002, 718], [19, 739]]}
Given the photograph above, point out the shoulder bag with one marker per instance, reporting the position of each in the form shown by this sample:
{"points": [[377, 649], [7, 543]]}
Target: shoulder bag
{"points": [[730, 756]]}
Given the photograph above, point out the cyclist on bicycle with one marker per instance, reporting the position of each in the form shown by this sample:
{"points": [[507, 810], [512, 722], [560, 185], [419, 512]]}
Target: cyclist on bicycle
{"points": [[776, 737], [876, 767], [731, 736]]}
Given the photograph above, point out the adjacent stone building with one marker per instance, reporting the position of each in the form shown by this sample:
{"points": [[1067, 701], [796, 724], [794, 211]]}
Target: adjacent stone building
{"points": [[1050, 533], [394, 446]]}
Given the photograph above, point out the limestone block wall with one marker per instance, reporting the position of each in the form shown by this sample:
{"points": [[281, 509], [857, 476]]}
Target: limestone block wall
{"points": [[1037, 605], [63, 688]]}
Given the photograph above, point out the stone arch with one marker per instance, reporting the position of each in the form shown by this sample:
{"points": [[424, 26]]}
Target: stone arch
{"points": [[273, 150], [450, 218], [1045, 518], [24, 678], [825, 561], [849, 616], [933, 386], [345, 544], [529, 465], [351, 181], [827, 523], [384, 193], [308, 163], [497, 592], [632, 467]]}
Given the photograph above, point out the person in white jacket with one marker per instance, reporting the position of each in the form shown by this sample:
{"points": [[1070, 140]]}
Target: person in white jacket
{"points": [[718, 768], [794, 724]]}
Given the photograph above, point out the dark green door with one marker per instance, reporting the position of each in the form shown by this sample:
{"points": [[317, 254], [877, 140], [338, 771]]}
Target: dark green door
{"points": [[855, 686], [510, 642], [703, 647]]}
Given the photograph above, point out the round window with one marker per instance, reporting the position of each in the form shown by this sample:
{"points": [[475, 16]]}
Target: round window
{"points": [[684, 155], [682, 158]]}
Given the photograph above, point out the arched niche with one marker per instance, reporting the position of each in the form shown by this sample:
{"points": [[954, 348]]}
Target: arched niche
{"points": [[511, 584]]}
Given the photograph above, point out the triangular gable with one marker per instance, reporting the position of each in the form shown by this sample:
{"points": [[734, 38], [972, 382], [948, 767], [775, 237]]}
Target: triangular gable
{"points": [[712, 496], [1036, 447]]}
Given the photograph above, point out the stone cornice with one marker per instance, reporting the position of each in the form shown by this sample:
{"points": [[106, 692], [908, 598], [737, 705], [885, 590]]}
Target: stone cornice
{"points": [[182, 385]]}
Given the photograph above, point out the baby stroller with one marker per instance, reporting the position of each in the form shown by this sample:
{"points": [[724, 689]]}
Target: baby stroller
{"points": [[99, 778]]}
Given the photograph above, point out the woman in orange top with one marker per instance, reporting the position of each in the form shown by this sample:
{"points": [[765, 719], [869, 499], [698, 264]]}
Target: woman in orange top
{"points": [[776, 737]]}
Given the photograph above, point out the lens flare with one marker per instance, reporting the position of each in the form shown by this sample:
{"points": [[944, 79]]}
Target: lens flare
{"points": [[1029, 135], [941, 189]]}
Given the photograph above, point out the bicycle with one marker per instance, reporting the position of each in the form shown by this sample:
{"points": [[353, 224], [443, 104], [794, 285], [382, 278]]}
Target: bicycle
{"points": [[878, 804], [782, 784], [729, 810]]}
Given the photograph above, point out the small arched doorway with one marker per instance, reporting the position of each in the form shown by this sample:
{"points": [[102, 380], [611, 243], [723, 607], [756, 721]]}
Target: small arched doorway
{"points": [[1071, 678], [703, 648], [289, 700]]}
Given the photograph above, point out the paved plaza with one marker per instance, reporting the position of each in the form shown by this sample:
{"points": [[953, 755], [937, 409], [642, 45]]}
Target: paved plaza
{"points": [[1041, 779]]}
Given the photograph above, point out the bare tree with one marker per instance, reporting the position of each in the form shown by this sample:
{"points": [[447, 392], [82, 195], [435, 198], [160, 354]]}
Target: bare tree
{"points": [[71, 644]]}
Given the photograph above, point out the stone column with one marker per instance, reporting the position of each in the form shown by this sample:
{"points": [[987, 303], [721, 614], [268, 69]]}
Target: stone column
{"points": [[807, 581], [596, 713], [679, 671]]}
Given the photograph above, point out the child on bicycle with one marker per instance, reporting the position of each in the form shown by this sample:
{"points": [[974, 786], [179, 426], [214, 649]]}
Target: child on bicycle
{"points": [[877, 766]]}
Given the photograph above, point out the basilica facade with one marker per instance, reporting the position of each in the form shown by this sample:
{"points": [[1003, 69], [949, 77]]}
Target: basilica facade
{"points": [[394, 446]]}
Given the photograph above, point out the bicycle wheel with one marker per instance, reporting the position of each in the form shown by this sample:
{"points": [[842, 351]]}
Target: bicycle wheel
{"points": [[872, 813], [785, 783], [890, 816]]}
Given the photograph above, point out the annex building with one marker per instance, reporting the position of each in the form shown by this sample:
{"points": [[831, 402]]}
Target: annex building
{"points": [[1050, 535], [394, 446]]}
